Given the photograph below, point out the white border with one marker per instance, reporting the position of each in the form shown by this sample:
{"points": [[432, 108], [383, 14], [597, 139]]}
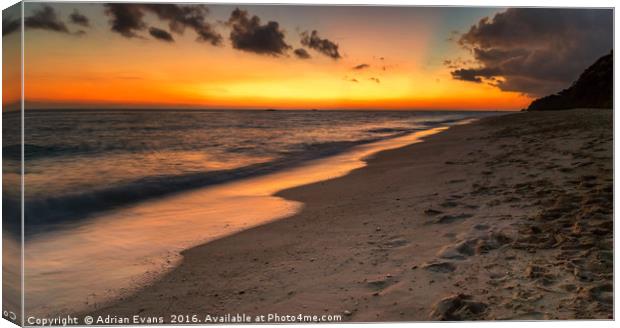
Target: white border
{"points": [[471, 3]]}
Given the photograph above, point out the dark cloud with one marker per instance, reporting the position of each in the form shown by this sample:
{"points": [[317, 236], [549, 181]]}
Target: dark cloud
{"points": [[465, 74], [454, 36], [457, 63], [534, 51], [45, 18], [79, 19], [9, 25], [361, 66], [324, 46], [374, 79], [128, 20], [249, 35], [353, 80], [190, 16], [475, 74], [160, 34], [301, 53]]}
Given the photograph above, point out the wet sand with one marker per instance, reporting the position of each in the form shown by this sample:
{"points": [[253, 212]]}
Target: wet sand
{"points": [[506, 218]]}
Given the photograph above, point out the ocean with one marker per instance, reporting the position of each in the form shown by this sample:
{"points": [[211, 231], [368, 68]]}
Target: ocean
{"points": [[113, 196], [81, 162]]}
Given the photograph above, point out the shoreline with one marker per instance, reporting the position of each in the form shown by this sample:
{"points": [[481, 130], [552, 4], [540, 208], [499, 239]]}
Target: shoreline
{"points": [[66, 209], [420, 226], [138, 244]]}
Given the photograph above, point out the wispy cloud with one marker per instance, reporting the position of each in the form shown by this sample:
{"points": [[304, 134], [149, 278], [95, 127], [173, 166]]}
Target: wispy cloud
{"points": [[160, 34], [45, 18], [301, 53], [79, 19], [324, 46]]}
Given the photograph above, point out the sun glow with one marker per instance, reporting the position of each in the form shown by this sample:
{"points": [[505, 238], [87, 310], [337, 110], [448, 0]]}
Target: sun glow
{"points": [[396, 70]]}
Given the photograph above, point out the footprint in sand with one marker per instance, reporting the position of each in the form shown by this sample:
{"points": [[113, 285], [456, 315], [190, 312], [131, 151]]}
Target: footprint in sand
{"points": [[396, 242], [603, 293], [474, 246], [442, 267], [380, 283], [449, 204], [481, 226], [432, 212], [451, 218], [458, 307]]}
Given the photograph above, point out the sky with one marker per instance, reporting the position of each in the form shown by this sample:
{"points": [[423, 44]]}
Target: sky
{"points": [[94, 55]]}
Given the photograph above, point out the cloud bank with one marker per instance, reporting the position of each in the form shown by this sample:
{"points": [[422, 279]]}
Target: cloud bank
{"points": [[535, 51]]}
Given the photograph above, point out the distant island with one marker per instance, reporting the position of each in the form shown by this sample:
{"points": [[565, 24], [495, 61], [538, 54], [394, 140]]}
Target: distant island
{"points": [[593, 89]]}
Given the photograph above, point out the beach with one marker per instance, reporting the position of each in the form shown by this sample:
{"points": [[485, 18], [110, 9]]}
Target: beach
{"points": [[509, 217]]}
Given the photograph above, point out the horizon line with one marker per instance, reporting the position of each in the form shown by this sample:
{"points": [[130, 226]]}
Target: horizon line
{"points": [[188, 109]]}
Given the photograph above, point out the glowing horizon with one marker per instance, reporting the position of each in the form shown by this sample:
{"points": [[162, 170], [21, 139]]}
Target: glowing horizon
{"points": [[400, 58]]}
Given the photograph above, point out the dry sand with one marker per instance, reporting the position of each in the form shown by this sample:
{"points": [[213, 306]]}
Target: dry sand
{"points": [[506, 218]]}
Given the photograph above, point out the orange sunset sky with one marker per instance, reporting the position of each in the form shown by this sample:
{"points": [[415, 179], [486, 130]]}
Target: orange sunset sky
{"points": [[99, 56]]}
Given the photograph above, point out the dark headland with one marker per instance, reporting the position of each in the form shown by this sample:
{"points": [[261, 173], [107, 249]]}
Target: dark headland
{"points": [[593, 89]]}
